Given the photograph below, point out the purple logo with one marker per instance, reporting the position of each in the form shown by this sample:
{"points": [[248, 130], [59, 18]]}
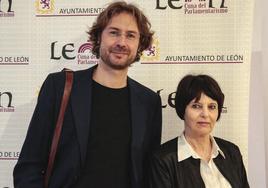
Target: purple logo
{"points": [[68, 52], [48, 8], [151, 54], [85, 55], [44, 6], [84, 47], [45, 3]]}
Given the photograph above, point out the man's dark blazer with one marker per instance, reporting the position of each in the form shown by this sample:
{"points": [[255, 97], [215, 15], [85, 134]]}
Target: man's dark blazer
{"points": [[146, 122], [167, 172]]}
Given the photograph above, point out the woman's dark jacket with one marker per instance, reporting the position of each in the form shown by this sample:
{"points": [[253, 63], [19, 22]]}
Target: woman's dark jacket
{"points": [[167, 172]]}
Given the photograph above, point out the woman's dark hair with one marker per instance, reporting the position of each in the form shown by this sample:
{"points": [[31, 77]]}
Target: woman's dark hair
{"points": [[104, 18], [191, 87]]}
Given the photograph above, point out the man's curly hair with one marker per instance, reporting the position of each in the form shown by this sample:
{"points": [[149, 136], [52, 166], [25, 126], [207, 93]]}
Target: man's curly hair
{"points": [[116, 8]]}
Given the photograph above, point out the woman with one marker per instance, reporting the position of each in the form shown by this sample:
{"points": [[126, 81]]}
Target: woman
{"points": [[196, 159]]}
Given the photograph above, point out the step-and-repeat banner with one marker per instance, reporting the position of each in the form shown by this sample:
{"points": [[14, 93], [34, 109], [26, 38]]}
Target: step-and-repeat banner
{"points": [[191, 36]]}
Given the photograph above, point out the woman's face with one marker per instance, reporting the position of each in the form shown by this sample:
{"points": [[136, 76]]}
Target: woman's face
{"points": [[200, 116]]}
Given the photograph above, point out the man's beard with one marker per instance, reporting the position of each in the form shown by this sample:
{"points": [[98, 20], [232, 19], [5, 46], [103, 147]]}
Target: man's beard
{"points": [[105, 57]]}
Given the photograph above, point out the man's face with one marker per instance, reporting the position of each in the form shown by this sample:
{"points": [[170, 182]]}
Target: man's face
{"points": [[119, 41]]}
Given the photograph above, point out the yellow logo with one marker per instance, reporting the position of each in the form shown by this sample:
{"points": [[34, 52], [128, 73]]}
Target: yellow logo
{"points": [[152, 53], [44, 6]]}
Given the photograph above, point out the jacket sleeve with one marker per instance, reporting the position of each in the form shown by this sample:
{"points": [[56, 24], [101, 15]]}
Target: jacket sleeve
{"points": [[159, 176], [32, 162]]}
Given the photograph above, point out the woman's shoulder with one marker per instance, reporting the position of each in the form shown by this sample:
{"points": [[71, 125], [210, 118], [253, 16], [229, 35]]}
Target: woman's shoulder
{"points": [[225, 143], [228, 148]]}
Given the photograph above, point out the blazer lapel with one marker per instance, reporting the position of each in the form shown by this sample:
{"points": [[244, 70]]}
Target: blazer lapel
{"points": [[138, 125], [138, 113], [227, 170], [81, 106]]}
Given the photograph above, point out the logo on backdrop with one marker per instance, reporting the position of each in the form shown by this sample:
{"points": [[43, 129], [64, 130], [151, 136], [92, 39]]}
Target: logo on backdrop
{"points": [[152, 56], [85, 55], [6, 102], [44, 6], [48, 8], [199, 59], [190, 7], [6, 11], [81, 54], [14, 60], [152, 53]]}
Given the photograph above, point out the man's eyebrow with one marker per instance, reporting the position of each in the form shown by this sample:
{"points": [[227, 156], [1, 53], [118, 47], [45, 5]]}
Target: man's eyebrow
{"points": [[117, 29], [113, 28]]}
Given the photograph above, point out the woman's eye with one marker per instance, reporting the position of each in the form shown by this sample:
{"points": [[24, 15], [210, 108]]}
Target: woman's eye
{"points": [[212, 107], [196, 106]]}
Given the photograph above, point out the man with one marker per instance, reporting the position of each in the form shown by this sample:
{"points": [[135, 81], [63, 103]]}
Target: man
{"points": [[111, 124]]}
